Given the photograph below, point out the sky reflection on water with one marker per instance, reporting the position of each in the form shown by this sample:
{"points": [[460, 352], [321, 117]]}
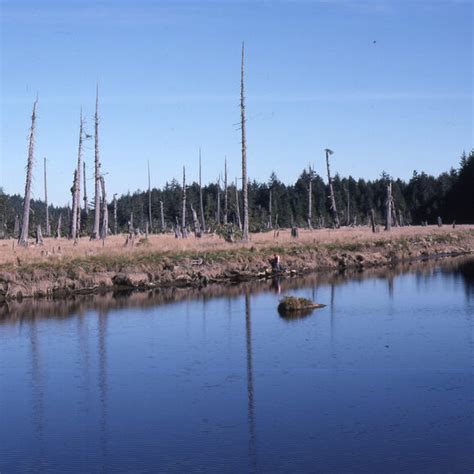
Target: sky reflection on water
{"points": [[381, 380]]}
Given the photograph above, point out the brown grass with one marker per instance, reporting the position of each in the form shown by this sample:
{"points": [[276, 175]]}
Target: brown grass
{"points": [[350, 238]]}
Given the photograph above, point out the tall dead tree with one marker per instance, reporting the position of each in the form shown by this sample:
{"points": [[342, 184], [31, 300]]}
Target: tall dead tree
{"points": [[201, 203], [76, 198], [183, 214], [86, 205], [96, 225], [388, 207], [245, 233], [150, 221], [47, 224], [23, 239], [237, 205], [332, 199], [226, 205], [73, 216], [105, 212], [218, 211], [115, 215], [310, 198]]}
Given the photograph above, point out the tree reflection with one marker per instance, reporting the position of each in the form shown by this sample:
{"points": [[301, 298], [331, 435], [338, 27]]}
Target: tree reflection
{"points": [[250, 391]]}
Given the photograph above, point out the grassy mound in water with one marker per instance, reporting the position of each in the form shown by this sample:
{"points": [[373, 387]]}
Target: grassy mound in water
{"points": [[292, 303]]}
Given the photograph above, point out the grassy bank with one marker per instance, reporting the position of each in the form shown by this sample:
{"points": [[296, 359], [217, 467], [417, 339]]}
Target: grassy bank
{"points": [[59, 268]]}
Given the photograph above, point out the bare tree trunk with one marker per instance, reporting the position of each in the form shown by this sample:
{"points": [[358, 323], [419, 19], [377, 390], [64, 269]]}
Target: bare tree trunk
{"points": [[226, 206], [39, 236], [237, 205], [270, 217], [149, 200], [201, 204], [48, 226], [23, 239], [96, 225], [73, 216], [245, 235], [86, 206], [162, 214], [183, 215], [79, 166], [332, 199], [105, 212], [131, 229], [372, 219], [115, 215], [197, 227], [310, 200], [218, 213], [388, 207], [58, 229], [16, 228], [348, 210], [76, 208]]}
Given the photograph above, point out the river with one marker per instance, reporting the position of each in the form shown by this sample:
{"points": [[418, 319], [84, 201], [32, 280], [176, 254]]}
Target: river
{"points": [[215, 380]]}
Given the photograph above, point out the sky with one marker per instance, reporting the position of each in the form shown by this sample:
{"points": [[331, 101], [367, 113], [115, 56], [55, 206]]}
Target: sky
{"points": [[386, 84]]}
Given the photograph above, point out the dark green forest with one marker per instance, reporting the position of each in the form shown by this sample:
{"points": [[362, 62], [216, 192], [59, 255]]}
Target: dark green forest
{"points": [[421, 200]]}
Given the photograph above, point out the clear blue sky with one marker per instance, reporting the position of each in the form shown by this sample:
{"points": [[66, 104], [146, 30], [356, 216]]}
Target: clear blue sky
{"points": [[387, 84]]}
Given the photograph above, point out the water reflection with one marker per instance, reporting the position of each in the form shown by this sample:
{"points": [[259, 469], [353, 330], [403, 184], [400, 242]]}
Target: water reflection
{"points": [[102, 346], [12, 311], [321, 395], [250, 392]]}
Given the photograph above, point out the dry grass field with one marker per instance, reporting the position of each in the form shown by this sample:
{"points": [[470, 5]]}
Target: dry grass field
{"points": [[168, 244]]}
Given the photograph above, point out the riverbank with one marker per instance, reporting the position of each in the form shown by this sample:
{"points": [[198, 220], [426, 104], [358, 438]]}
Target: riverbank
{"points": [[59, 269]]}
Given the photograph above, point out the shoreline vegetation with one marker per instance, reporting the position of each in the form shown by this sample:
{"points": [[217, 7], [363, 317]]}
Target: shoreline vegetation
{"points": [[59, 269]]}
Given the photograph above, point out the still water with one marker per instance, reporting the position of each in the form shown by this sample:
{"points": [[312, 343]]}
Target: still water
{"points": [[381, 380]]}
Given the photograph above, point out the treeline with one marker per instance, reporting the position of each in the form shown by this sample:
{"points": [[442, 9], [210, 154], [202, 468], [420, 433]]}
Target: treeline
{"points": [[273, 204]]}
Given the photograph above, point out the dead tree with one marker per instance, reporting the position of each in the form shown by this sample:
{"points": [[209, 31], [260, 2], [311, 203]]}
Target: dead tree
{"points": [[218, 211], [96, 225], [39, 236], [372, 219], [76, 189], [86, 206], [310, 199], [162, 214], [115, 215], [23, 239], [131, 229], [79, 166], [332, 199], [388, 207], [348, 208], [226, 205], [149, 199], [16, 228], [183, 215], [105, 212], [197, 227], [58, 229], [270, 217], [245, 234], [201, 204], [47, 224], [237, 206], [73, 216]]}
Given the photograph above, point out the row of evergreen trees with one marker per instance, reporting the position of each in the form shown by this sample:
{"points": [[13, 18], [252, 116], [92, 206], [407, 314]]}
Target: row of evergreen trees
{"points": [[422, 199]]}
